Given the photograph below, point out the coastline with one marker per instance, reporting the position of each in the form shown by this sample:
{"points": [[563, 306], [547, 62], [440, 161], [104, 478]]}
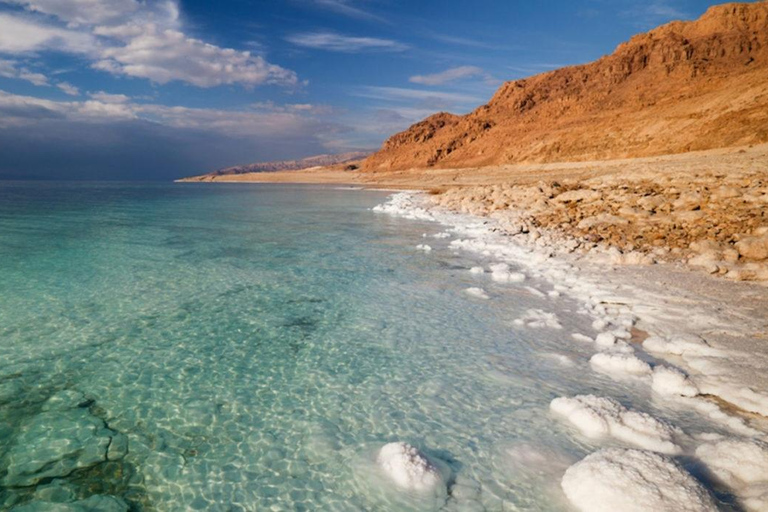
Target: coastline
{"points": [[630, 211], [697, 343]]}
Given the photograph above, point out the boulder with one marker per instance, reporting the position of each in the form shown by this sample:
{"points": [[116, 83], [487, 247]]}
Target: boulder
{"points": [[753, 247]]}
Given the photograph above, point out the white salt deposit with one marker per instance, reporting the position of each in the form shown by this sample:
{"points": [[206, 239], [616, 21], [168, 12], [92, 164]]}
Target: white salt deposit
{"points": [[477, 292], [598, 417], [534, 291], [408, 467], [729, 364], [605, 339], [669, 381], [613, 480], [424, 247], [620, 364], [581, 337], [500, 272], [538, 319], [477, 270], [742, 465]]}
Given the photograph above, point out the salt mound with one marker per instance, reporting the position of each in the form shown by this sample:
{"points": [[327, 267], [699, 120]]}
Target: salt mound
{"points": [[500, 272], [620, 364], [597, 417], [424, 247], [538, 319], [408, 467], [670, 381], [632, 480], [741, 465]]}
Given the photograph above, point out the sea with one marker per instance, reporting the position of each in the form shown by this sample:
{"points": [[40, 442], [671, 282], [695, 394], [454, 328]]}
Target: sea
{"points": [[248, 347]]}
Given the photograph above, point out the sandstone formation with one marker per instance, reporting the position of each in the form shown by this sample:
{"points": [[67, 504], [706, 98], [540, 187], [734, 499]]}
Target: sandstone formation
{"points": [[684, 86]]}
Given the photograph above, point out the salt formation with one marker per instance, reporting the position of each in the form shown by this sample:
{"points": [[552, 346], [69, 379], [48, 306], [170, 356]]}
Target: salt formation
{"points": [[538, 319], [742, 466], [477, 270], [477, 292], [424, 247], [633, 481], [620, 364], [599, 417], [500, 272], [670, 381], [408, 467]]}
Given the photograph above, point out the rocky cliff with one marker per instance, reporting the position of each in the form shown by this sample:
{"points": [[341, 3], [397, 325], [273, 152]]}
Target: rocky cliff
{"points": [[683, 86]]}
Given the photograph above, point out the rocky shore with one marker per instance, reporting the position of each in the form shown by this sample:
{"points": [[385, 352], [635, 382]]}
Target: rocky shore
{"points": [[711, 213]]}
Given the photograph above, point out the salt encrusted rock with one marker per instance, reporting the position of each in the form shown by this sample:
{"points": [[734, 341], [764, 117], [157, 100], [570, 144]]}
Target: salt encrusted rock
{"points": [[614, 480], [63, 437], [408, 467]]}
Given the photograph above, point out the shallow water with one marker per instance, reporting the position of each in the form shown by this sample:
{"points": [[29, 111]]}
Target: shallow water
{"points": [[251, 347]]}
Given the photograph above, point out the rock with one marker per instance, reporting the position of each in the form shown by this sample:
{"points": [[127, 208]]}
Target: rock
{"points": [[63, 437], [603, 218], [753, 247], [96, 503], [650, 203], [688, 201], [580, 195]]}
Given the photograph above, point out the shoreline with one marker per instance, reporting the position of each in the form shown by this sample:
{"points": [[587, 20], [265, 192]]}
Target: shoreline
{"points": [[592, 280], [629, 211], [679, 333]]}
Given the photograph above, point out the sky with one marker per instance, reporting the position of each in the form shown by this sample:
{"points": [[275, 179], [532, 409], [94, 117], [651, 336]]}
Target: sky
{"points": [[156, 90]]}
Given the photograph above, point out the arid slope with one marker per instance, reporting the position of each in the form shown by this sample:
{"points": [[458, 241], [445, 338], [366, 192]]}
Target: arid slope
{"points": [[684, 86]]}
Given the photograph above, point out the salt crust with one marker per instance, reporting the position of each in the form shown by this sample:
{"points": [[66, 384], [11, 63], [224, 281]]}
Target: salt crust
{"points": [[598, 417], [408, 467], [743, 466], [539, 319], [628, 364], [613, 480]]}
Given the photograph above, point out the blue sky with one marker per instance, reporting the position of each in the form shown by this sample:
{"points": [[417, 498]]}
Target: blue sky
{"points": [[129, 89]]}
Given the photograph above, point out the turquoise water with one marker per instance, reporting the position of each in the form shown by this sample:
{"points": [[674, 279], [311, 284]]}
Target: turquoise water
{"points": [[238, 347]]}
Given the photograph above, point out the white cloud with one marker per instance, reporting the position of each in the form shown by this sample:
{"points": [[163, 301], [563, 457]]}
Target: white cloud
{"points": [[347, 8], [105, 97], [17, 110], [166, 55], [347, 44], [144, 40], [449, 75], [68, 88], [10, 69], [77, 12], [399, 94], [19, 34]]}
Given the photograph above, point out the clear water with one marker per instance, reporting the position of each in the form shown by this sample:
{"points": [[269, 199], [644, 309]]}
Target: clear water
{"points": [[256, 345]]}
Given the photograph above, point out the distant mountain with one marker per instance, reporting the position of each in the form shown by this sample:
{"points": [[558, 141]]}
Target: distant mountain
{"points": [[684, 86], [287, 165]]}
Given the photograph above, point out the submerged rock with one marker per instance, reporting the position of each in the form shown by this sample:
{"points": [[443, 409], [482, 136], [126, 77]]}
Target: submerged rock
{"points": [[62, 438], [97, 503]]}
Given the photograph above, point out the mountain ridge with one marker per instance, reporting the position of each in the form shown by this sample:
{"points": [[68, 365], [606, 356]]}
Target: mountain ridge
{"points": [[683, 86]]}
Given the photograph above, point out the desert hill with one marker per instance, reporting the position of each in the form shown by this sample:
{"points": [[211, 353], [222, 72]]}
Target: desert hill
{"points": [[684, 86], [285, 165]]}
